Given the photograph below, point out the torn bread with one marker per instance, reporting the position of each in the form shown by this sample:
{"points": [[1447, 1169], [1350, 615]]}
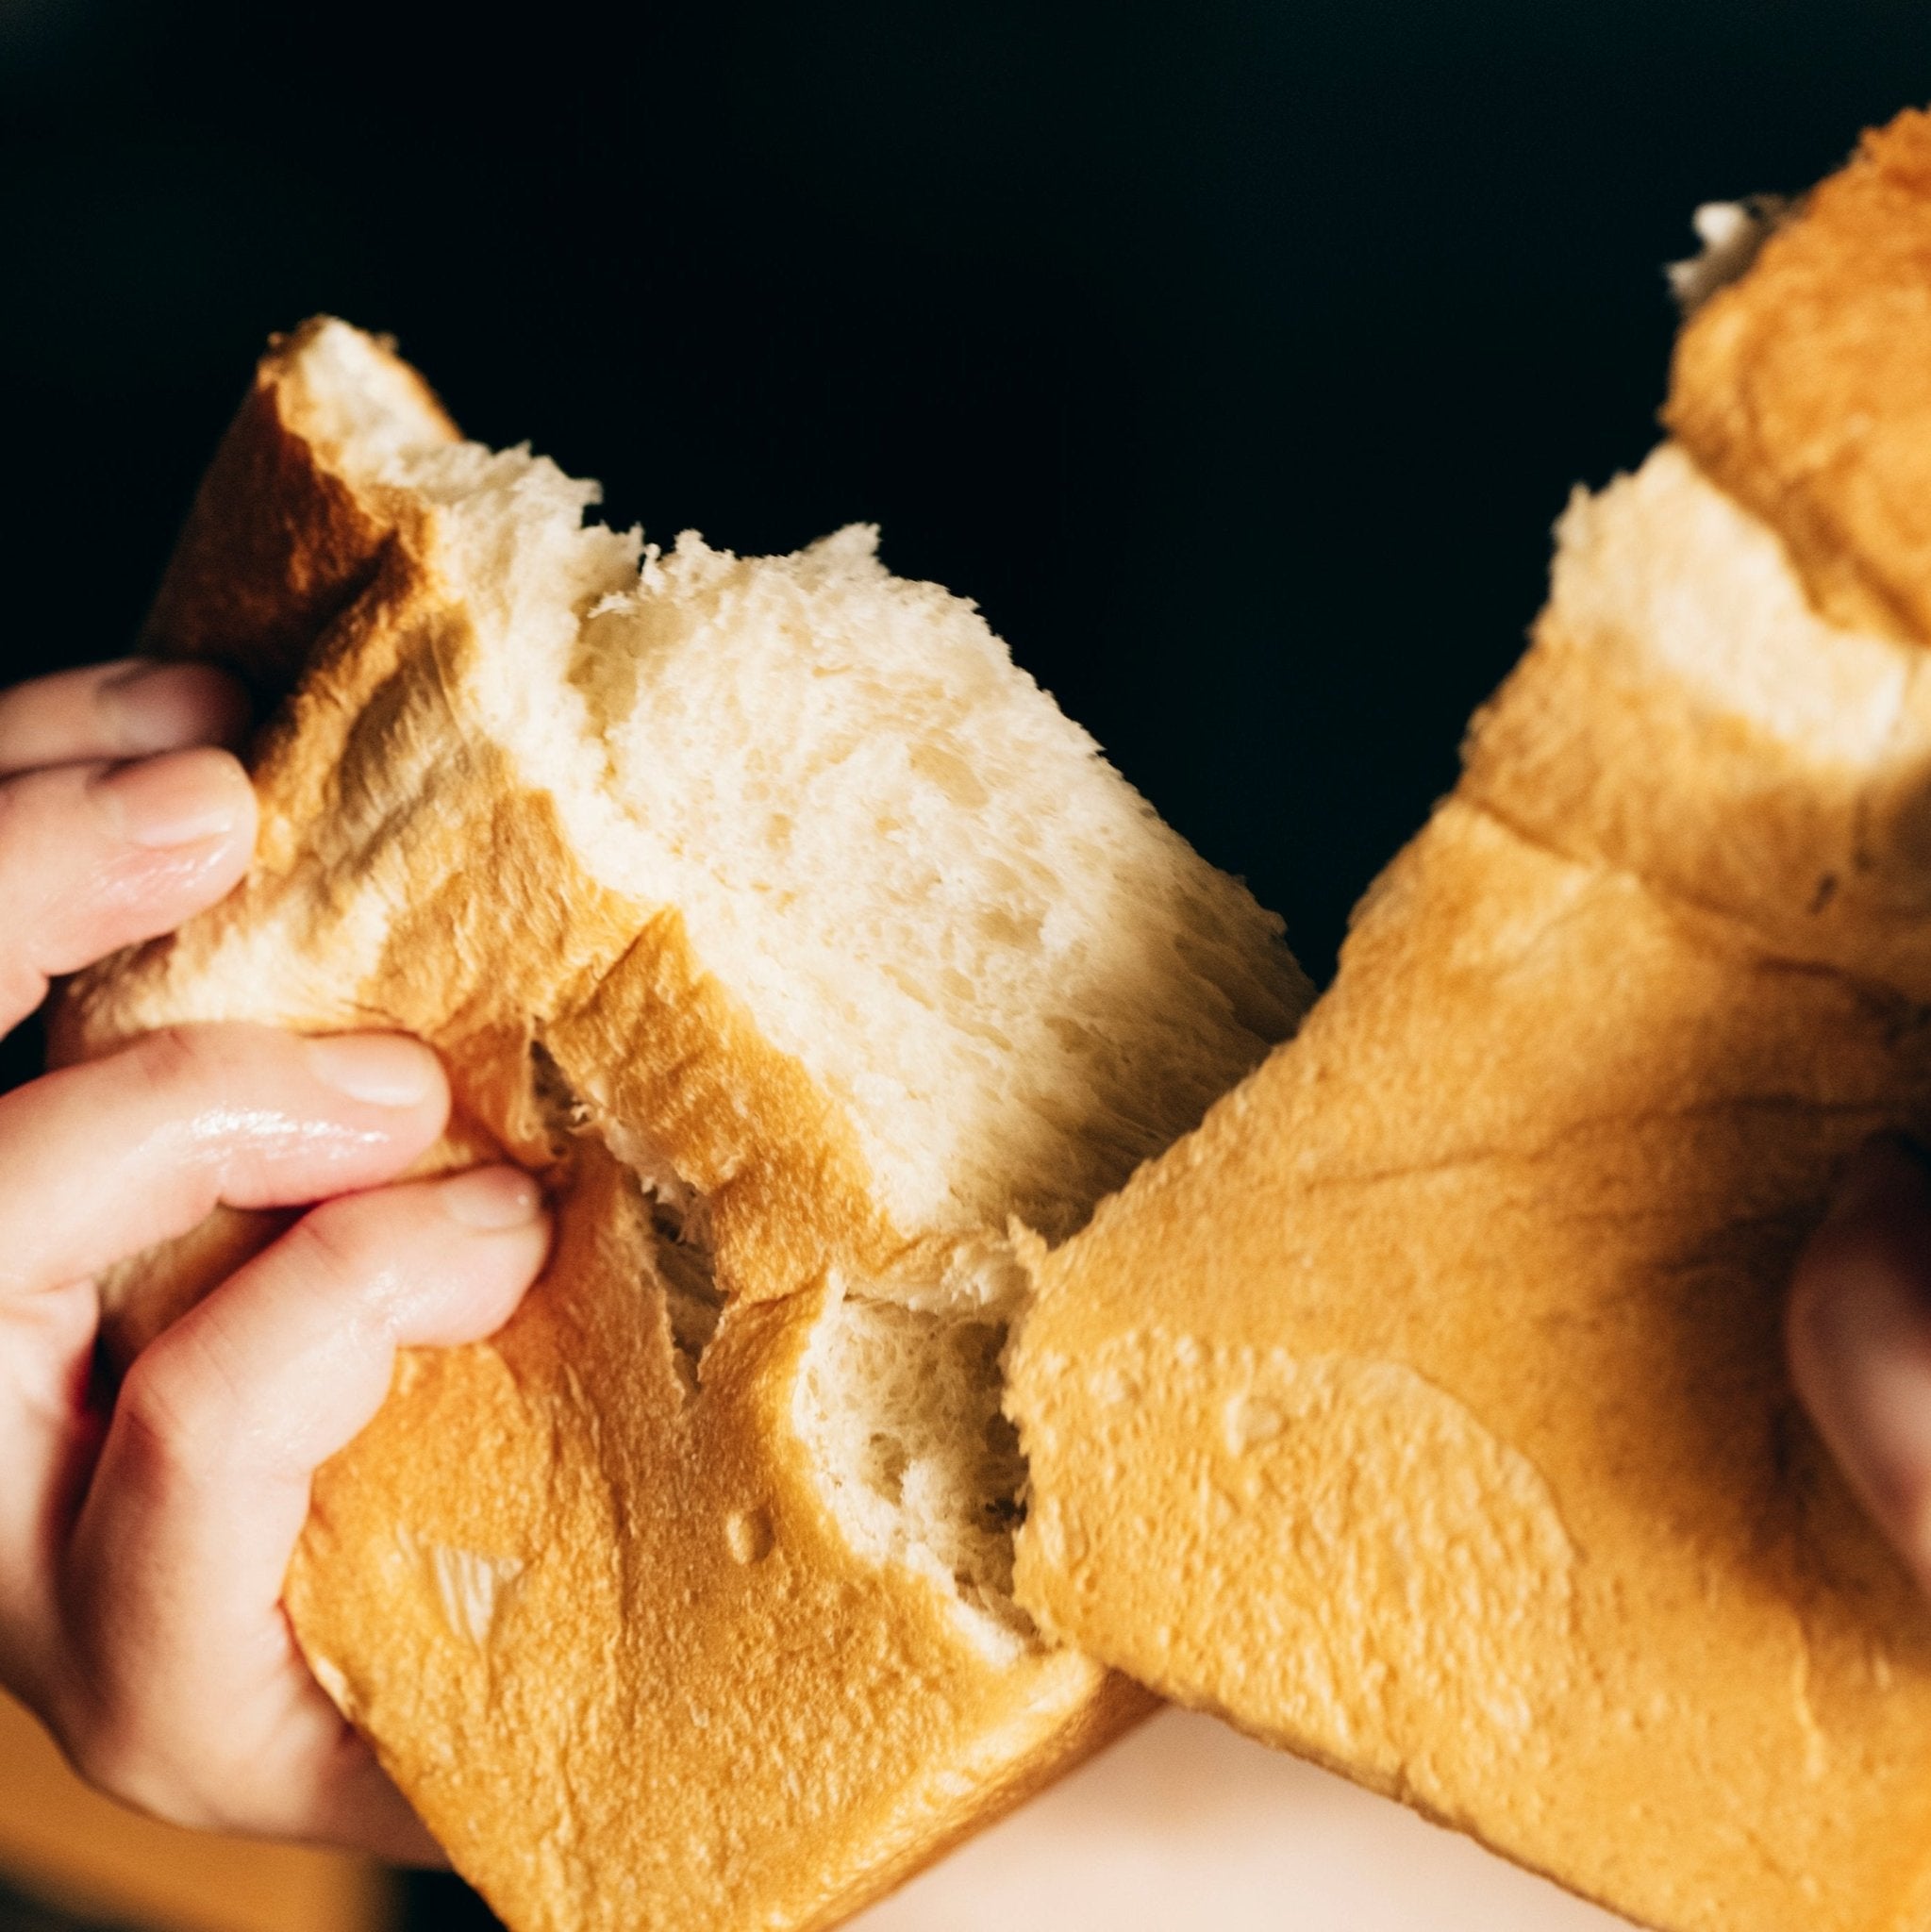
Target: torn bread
{"points": [[1425, 1411], [766, 908]]}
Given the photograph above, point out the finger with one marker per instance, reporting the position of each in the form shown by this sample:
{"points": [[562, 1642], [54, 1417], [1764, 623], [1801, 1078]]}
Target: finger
{"points": [[130, 708], [106, 1159], [50, 1434], [189, 1673], [1859, 1329], [92, 857]]}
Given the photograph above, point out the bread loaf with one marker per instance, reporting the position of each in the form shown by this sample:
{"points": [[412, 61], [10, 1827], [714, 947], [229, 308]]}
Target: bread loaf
{"points": [[804, 947], [1425, 1411]]}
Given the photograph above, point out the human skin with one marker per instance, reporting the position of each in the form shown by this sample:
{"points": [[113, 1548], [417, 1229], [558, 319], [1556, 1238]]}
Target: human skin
{"points": [[143, 1537], [143, 1534], [1859, 1333]]}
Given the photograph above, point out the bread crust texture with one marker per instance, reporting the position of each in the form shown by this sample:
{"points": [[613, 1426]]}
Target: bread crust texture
{"points": [[574, 1583], [1426, 1412]]}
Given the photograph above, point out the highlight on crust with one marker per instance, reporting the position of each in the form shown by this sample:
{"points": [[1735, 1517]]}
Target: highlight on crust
{"points": [[817, 957]]}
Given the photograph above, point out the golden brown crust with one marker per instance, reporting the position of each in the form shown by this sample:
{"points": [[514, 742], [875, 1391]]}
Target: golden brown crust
{"points": [[1795, 752], [1438, 1387], [276, 545], [712, 1714], [599, 1626], [1426, 1410], [1805, 388], [655, 1040]]}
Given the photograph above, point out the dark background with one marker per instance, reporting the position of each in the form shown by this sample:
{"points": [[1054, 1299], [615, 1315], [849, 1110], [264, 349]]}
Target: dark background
{"points": [[1236, 358]]}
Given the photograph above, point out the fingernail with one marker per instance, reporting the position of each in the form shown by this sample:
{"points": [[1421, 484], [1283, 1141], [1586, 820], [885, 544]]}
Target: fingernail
{"points": [[151, 708], [383, 1069], [492, 1197], [179, 799]]}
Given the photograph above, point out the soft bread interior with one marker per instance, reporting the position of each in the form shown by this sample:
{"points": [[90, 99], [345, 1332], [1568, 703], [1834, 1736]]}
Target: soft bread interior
{"points": [[924, 883], [903, 1408], [927, 886]]}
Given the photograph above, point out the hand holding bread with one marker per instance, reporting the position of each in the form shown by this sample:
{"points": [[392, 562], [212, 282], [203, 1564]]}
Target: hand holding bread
{"points": [[1426, 1410], [142, 1540], [821, 967]]}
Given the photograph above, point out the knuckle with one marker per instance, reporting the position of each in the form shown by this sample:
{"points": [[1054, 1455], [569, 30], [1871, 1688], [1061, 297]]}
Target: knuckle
{"points": [[170, 1425], [45, 833], [147, 1442], [173, 1058], [188, 1066], [339, 1242]]}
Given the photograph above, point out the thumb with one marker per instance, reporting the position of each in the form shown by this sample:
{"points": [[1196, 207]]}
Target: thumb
{"points": [[187, 1694]]}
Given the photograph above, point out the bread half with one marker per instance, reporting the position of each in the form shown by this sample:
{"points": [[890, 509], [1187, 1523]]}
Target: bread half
{"points": [[1425, 1411], [812, 955]]}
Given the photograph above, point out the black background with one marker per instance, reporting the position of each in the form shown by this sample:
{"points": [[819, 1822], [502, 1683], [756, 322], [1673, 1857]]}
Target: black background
{"points": [[1236, 358]]}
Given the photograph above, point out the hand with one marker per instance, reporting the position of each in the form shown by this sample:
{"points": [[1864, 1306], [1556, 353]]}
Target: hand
{"points": [[1859, 1332], [142, 1543]]}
